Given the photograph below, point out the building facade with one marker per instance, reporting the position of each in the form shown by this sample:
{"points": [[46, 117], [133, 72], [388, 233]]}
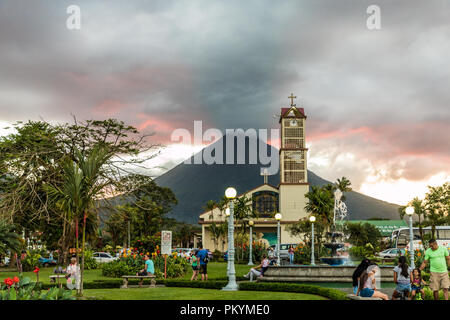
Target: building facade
{"points": [[288, 197]]}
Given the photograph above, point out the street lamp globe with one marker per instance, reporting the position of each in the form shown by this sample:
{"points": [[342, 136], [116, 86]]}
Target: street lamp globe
{"points": [[278, 216], [409, 211], [312, 219], [250, 223], [230, 193]]}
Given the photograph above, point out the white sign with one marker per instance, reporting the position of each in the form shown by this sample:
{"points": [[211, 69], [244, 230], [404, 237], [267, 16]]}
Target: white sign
{"points": [[166, 242]]}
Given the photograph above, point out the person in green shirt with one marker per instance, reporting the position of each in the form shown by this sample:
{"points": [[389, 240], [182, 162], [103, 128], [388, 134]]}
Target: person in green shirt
{"points": [[194, 263], [439, 259]]}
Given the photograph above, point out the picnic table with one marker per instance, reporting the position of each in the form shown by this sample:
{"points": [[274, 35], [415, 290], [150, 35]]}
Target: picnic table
{"points": [[55, 277], [125, 280]]}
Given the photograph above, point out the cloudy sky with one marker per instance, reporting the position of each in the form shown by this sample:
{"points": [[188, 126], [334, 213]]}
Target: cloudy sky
{"points": [[377, 101]]}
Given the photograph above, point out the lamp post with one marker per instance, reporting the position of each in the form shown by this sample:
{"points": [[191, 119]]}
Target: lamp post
{"points": [[278, 218], [312, 219], [410, 211], [227, 213], [250, 258], [230, 193]]}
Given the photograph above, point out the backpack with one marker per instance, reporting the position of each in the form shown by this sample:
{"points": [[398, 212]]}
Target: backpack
{"points": [[206, 258]]}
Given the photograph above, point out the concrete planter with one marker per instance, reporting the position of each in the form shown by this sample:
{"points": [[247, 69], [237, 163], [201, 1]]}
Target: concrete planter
{"points": [[319, 273]]}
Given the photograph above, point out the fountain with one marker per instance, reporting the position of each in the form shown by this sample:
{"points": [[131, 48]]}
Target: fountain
{"points": [[340, 212]]}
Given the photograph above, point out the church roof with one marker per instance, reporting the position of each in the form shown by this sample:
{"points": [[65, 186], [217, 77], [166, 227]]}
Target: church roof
{"points": [[284, 111]]}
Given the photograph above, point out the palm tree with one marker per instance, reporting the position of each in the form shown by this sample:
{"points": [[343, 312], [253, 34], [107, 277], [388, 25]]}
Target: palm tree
{"points": [[321, 204], [215, 233], [210, 205], [82, 185], [343, 184]]}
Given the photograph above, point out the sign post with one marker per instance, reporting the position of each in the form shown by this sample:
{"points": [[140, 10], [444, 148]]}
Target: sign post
{"points": [[166, 248]]}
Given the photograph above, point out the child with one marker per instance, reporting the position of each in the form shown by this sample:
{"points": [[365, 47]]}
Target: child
{"points": [[417, 283]]}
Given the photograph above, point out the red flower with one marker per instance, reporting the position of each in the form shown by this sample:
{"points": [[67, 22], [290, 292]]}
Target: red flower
{"points": [[36, 270], [9, 282], [16, 279]]}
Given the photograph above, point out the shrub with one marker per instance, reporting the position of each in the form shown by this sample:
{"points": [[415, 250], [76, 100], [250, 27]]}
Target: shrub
{"points": [[31, 260], [24, 289], [89, 261], [131, 264]]}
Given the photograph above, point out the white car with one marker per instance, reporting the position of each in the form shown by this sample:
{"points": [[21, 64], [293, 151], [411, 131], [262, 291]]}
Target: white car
{"points": [[391, 253], [103, 257]]}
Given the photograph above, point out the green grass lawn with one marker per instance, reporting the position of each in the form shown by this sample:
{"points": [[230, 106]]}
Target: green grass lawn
{"points": [[166, 293]]}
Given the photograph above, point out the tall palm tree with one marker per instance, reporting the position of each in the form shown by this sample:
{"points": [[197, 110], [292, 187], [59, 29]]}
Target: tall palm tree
{"points": [[320, 204], [343, 184], [82, 185]]}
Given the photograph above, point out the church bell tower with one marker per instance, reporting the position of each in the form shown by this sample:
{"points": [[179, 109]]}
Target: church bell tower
{"points": [[293, 165]]}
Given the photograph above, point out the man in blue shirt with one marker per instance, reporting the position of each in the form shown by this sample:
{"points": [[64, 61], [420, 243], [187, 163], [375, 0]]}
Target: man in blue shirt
{"points": [[201, 255]]}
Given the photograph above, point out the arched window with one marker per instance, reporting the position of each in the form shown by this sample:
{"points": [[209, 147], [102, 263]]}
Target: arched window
{"points": [[265, 203]]}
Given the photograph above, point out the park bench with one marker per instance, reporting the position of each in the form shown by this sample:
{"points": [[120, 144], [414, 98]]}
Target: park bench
{"points": [[355, 297], [125, 281], [55, 277]]}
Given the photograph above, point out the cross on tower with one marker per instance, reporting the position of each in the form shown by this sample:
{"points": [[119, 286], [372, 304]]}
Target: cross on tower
{"points": [[265, 174], [292, 97]]}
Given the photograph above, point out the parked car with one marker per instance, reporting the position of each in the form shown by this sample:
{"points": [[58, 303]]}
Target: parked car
{"points": [[391, 253], [283, 250], [103, 257], [46, 262]]}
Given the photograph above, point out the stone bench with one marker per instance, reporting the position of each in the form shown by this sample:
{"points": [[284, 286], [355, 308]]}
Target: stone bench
{"points": [[355, 297], [55, 277], [125, 281]]}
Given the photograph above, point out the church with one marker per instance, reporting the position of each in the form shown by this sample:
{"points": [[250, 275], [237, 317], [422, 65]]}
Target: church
{"points": [[287, 198]]}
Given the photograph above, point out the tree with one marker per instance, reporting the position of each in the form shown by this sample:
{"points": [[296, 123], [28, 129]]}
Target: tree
{"points": [[9, 240], [436, 206], [362, 233], [34, 157], [343, 184], [321, 204], [243, 211], [145, 204], [83, 184], [303, 228]]}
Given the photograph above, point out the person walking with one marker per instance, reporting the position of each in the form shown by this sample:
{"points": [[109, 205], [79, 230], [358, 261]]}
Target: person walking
{"points": [[202, 256], [367, 286], [402, 278], [263, 266], [439, 260], [73, 274], [357, 274], [194, 264], [291, 255]]}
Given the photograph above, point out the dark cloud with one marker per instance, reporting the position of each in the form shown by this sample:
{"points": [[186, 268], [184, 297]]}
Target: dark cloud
{"points": [[160, 65]]}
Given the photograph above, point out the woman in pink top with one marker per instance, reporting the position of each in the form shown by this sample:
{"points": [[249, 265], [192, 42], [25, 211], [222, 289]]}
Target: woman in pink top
{"points": [[367, 286], [264, 265]]}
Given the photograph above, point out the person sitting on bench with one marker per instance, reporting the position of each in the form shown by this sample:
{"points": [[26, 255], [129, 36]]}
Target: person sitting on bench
{"points": [[149, 269]]}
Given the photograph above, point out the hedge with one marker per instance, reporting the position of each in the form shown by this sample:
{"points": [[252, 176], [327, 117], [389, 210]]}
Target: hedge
{"points": [[210, 284], [330, 293]]}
